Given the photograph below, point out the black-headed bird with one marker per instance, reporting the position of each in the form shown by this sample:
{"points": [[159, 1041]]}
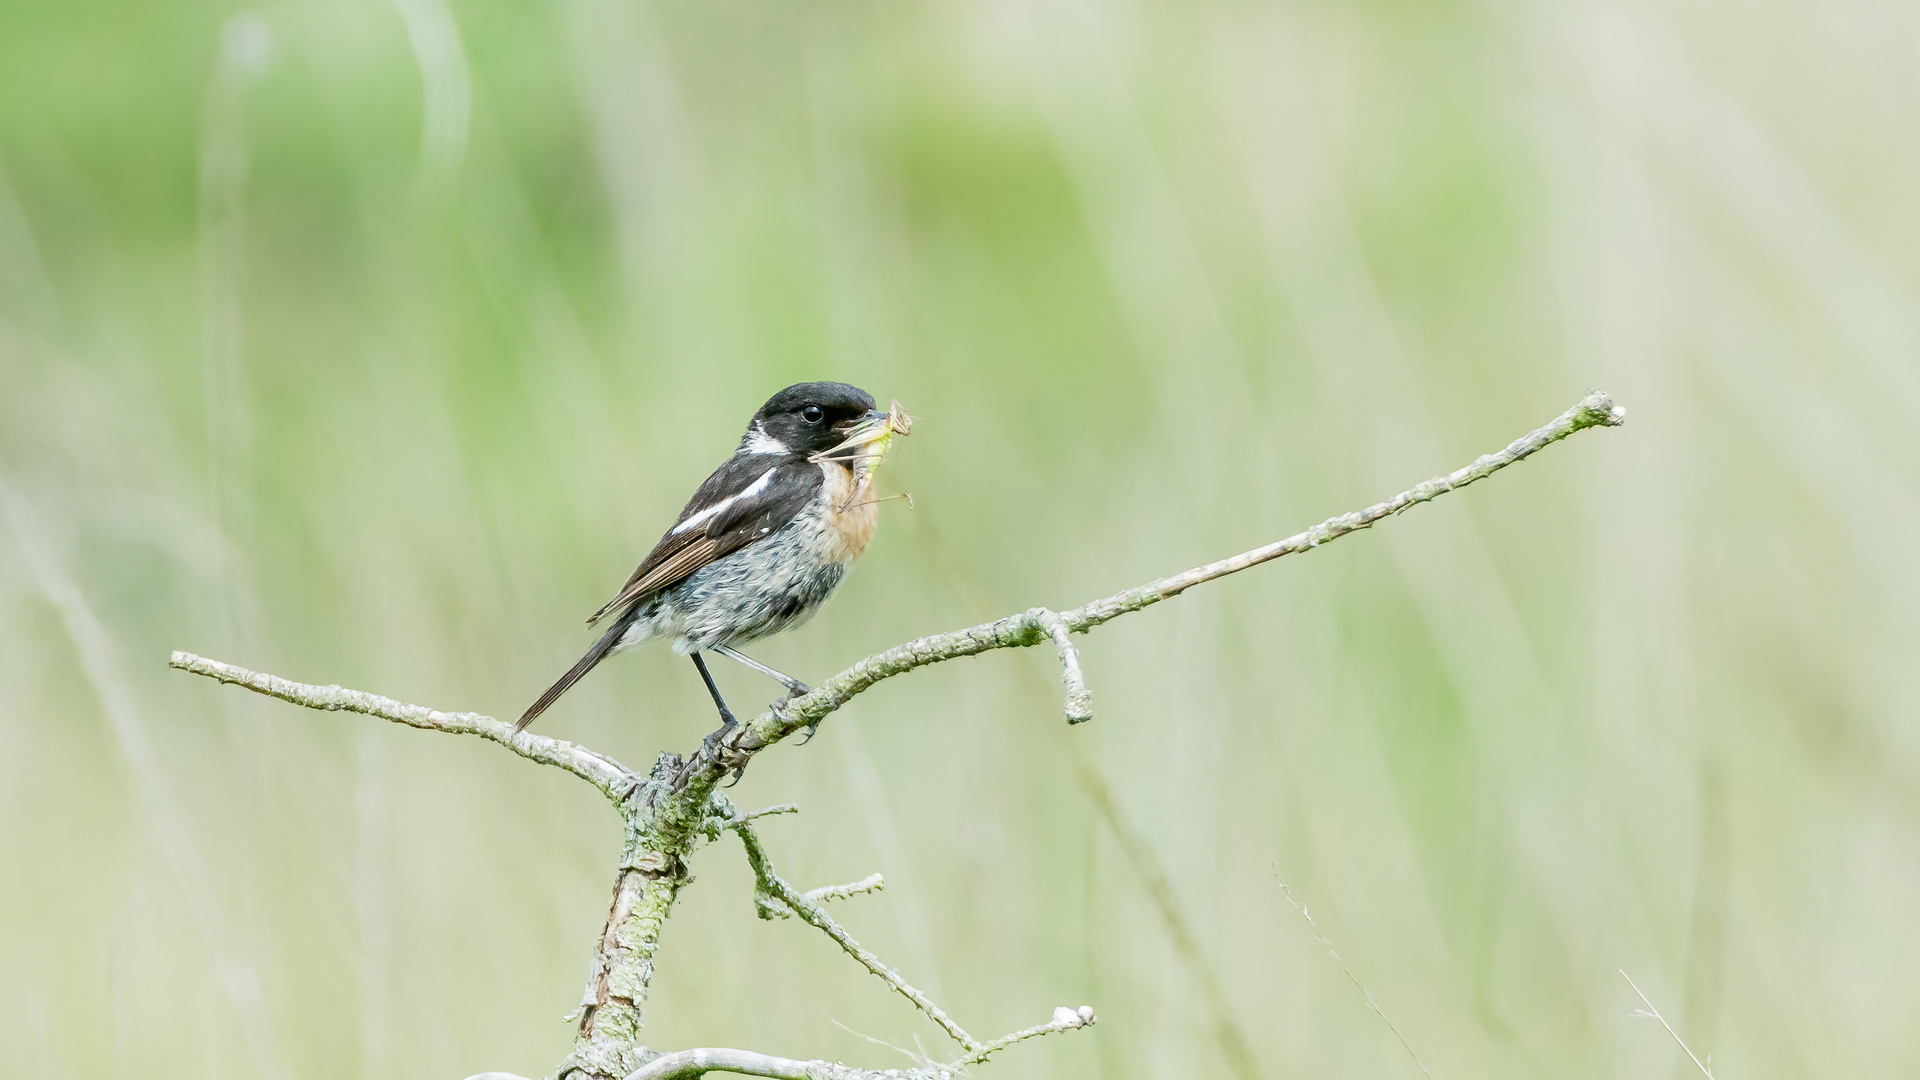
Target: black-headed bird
{"points": [[762, 544]]}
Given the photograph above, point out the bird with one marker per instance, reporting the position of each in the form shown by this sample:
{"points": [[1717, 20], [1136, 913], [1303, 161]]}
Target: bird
{"points": [[763, 542]]}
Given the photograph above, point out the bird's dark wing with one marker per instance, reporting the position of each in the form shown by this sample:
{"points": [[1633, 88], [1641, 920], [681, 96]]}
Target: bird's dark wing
{"points": [[747, 499]]}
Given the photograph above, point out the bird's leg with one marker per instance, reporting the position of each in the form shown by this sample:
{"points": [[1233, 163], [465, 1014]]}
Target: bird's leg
{"points": [[795, 687], [726, 717]]}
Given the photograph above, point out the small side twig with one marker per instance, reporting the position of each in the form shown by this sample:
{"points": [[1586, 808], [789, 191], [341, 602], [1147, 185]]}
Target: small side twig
{"points": [[1655, 1014], [773, 885], [1079, 707], [1355, 979], [1064, 1019], [872, 883]]}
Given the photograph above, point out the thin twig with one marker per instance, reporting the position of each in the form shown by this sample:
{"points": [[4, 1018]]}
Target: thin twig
{"points": [[1594, 410], [1064, 1019], [872, 883], [1355, 979], [1655, 1013], [777, 887], [595, 768]]}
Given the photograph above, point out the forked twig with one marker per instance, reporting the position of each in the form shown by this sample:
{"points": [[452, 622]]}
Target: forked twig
{"points": [[771, 884]]}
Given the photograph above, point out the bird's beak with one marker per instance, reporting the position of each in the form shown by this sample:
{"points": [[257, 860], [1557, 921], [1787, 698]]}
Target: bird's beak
{"points": [[875, 427]]}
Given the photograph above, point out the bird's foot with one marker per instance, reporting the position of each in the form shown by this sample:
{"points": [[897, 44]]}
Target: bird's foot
{"points": [[795, 690], [794, 693], [711, 744], [727, 723]]}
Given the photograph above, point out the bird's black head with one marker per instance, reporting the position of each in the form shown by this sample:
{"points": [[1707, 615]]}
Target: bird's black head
{"points": [[807, 418]]}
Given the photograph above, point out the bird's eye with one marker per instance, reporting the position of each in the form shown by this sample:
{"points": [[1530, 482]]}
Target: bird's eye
{"points": [[813, 414]]}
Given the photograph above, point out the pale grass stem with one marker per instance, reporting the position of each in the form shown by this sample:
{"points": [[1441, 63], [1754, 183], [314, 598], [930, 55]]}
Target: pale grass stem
{"points": [[1650, 1011], [1355, 979], [918, 1057]]}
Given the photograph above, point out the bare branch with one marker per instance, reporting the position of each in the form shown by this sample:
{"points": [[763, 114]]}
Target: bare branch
{"points": [[731, 750], [684, 1064], [773, 885], [1594, 410], [699, 1062], [669, 812], [595, 768]]}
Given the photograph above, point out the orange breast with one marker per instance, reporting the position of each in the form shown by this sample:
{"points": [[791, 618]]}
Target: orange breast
{"points": [[849, 528]]}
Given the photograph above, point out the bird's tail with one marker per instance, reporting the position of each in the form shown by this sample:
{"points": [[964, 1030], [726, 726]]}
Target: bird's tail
{"points": [[594, 655]]}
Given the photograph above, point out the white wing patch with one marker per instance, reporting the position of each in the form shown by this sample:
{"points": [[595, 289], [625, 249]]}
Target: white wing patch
{"points": [[700, 518]]}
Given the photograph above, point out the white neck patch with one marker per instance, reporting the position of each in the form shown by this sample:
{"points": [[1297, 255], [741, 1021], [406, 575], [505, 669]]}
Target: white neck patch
{"points": [[759, 442]]}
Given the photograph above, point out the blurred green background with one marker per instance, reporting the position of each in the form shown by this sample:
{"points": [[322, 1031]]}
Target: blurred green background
{"points": [[373, 343]]}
